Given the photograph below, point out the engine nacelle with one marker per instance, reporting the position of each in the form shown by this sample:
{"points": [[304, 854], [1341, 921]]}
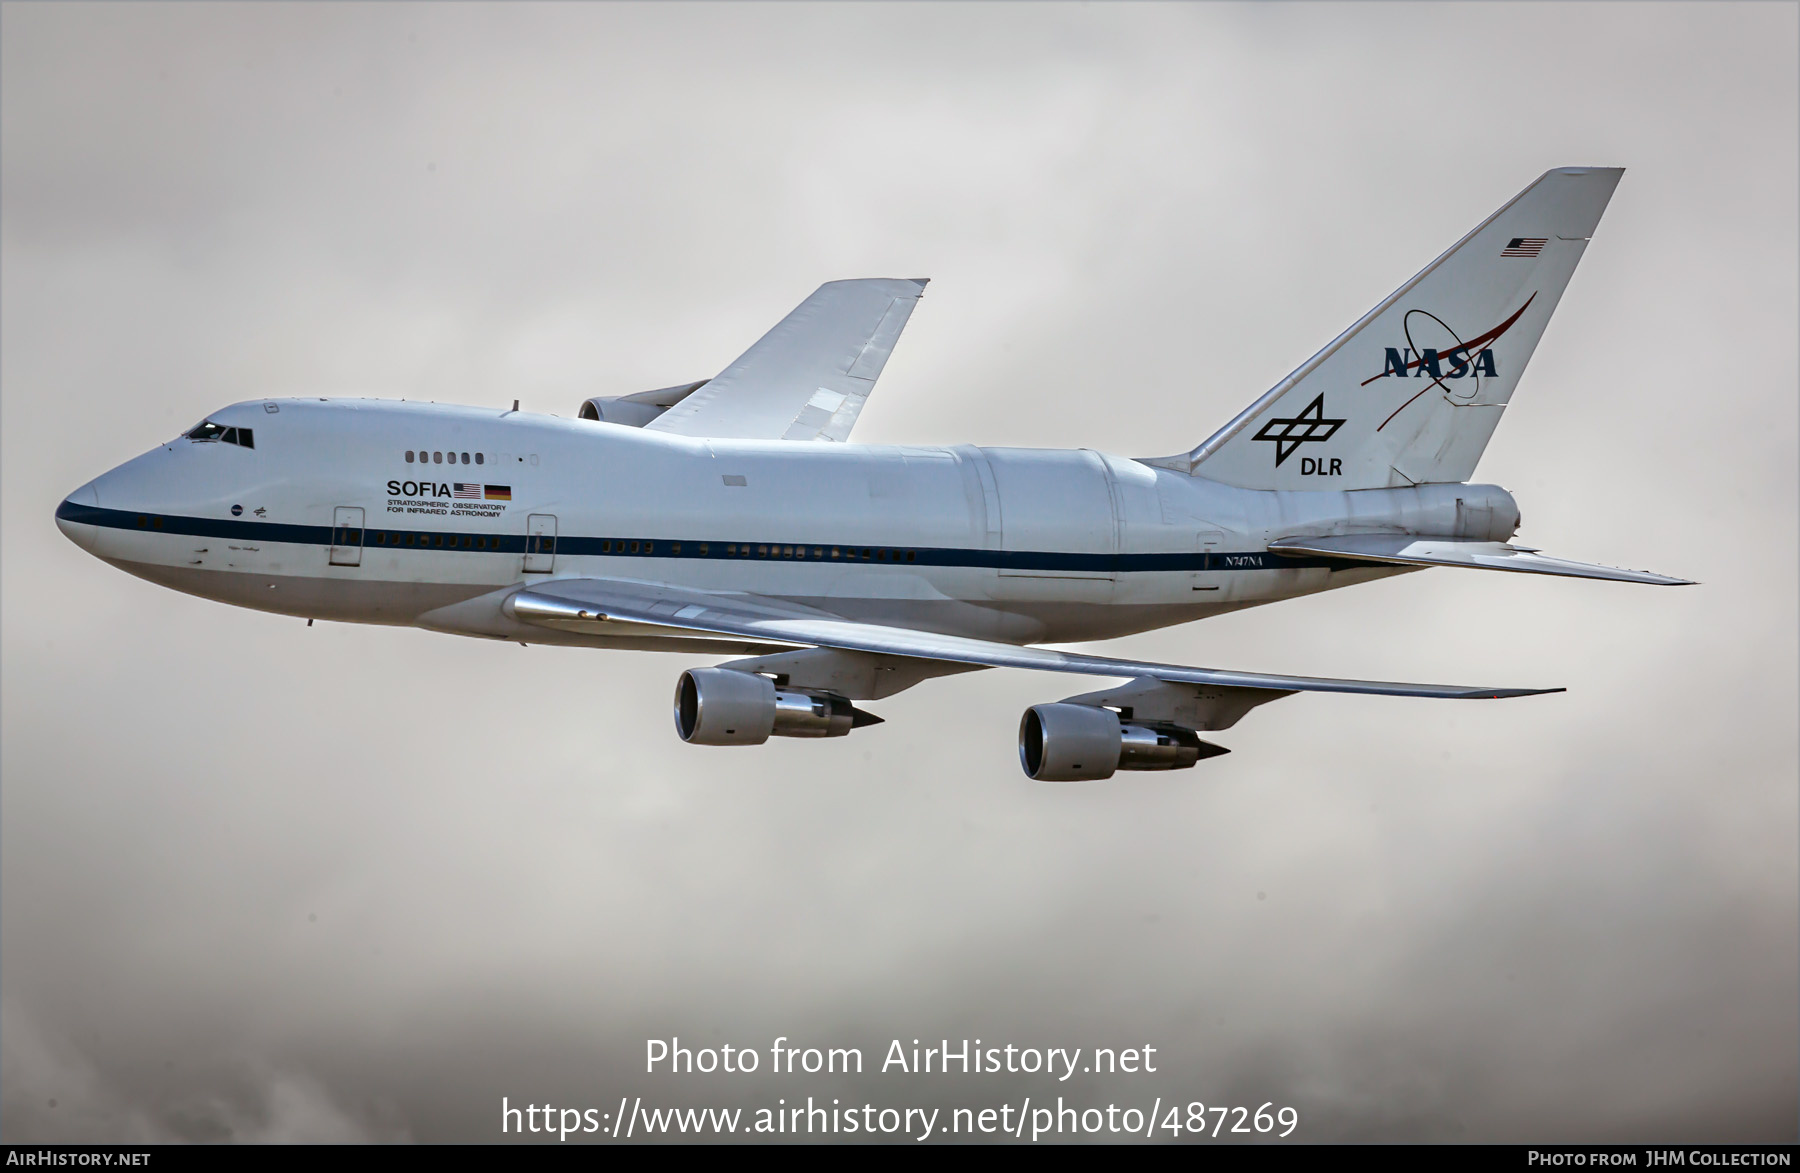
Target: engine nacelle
{"points": [[719, 706], [1084, 743], [634, 411], [616, 409]]}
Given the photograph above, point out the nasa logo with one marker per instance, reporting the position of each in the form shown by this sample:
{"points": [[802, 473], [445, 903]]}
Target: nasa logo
{"points": [[237, 511], [1451, 364]]}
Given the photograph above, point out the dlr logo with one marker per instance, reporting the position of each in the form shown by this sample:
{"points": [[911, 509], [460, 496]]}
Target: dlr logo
{"points": [[1319, 466]]}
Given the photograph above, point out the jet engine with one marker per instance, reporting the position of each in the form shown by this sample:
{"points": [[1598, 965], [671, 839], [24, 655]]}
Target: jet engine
{"points": [[1081, 743], [634, 411], [719, 706]]}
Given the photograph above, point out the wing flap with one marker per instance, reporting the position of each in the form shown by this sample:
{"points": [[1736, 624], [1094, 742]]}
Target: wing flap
{"points": [[597, 605], [808, 377], [1408, 550]]}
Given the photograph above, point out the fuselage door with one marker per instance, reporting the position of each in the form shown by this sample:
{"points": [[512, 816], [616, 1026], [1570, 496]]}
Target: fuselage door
{"points": [[346, 536], [540, 543], [1204, 576]]}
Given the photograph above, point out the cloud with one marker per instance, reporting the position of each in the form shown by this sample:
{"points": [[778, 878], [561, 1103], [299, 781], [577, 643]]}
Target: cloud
{"points": [[267, 882]]}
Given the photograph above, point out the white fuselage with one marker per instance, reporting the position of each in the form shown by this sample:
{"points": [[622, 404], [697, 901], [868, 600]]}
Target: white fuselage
{"points": [[325, 517]]}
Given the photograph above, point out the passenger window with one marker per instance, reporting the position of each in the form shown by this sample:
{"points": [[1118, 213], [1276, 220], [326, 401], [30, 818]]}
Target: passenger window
{"points": [[437, 458], [409, 458], [478, 459], [465, 458]]}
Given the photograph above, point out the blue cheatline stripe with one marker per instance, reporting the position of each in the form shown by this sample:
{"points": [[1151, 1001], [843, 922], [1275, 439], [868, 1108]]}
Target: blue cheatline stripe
{"points": [[475, 542]]}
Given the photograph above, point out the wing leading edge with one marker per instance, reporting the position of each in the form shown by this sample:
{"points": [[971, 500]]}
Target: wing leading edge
{"points": [[808, 377], [597, 605]]}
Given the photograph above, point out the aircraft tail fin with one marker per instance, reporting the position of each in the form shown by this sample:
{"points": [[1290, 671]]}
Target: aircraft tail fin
{"points": [[1411, 393]]}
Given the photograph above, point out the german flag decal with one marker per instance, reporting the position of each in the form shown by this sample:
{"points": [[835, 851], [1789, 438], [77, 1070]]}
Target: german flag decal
{"points": [[498, 492]]}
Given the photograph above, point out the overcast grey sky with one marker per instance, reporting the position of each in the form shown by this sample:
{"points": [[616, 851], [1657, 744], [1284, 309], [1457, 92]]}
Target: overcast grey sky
{"points": [[263, 881]]}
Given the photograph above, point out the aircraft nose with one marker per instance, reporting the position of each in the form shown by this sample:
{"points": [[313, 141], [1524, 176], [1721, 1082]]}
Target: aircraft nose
{"points": [[75, 517]]}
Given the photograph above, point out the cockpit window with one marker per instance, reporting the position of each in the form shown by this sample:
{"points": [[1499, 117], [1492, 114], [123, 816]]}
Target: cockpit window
{"points": [[242, 437]]}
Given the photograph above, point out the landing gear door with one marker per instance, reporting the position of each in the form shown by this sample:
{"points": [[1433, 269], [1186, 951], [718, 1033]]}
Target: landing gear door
{"points": [[1205, 576], [540, 543], [346, 536]]}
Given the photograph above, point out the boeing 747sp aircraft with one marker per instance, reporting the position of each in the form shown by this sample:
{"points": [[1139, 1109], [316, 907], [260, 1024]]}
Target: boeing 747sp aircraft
{"points": [[730, 516]]}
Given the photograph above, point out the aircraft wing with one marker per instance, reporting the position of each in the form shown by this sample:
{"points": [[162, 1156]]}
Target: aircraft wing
{"points": [[599, 605], [808, 378], [1406, 550]]}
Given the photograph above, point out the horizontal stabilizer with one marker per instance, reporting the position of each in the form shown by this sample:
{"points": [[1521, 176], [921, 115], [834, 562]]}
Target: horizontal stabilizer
{"points": [[1408, 550]]}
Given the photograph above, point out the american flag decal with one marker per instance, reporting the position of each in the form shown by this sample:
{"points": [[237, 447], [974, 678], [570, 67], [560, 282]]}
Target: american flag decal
{"points": [[465, 492], [1525, 246]]}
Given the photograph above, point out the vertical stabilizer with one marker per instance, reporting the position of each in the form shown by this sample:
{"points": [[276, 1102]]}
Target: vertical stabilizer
{"points": [[1411, 393]]}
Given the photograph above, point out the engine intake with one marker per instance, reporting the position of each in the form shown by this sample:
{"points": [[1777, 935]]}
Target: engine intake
{"points": [[1084, 743], [719, 706], [634, 411]]}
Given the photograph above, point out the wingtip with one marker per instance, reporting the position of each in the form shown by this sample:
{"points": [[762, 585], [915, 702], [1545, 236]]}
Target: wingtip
{"points": [[1500, 694]]}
